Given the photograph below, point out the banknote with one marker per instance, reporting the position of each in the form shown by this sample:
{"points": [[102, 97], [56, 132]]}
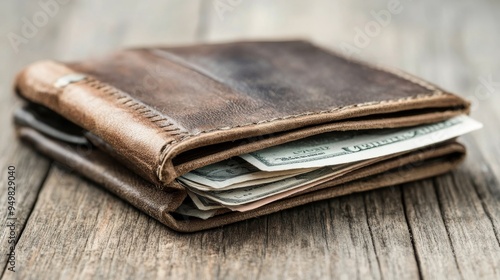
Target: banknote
{"points": [[205, 185], [234, 173], [335, 148], [275, 173], [246, 195], [253, 197], [202, 202], [193, 211], [249, 194]]}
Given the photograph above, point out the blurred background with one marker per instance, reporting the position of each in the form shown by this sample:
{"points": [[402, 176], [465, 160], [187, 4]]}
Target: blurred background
{"points": [[448, 42]]}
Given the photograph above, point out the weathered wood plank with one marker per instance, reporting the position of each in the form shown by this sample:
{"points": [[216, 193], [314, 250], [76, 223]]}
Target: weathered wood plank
{"points": [[433, 248], [106, 237], [324, 239], [443, 228], [30, 172], [470, 230], [353, 254], [31, 168], [76, 241], [390, 233]]}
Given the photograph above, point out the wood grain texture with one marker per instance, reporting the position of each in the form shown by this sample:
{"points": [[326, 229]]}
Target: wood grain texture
{"points": [[442, 228], [390, 234], [432, 246], [31, 169]]}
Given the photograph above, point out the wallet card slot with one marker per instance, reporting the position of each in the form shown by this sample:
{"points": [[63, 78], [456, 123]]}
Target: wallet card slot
{"points": [[49, 123]]}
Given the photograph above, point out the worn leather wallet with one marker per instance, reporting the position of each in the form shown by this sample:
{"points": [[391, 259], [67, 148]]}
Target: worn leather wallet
{"points": [[135, 120]]}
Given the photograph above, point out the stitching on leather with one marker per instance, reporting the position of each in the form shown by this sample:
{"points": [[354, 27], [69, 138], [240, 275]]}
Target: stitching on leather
{"points": [[420, 96], [161, 122], [173, 130], [399, 73], [166, 148], [158, 119]]}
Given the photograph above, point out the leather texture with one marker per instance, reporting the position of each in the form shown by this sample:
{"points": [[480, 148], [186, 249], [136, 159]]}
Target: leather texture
{"points": [[162, 112], [166, 111]]}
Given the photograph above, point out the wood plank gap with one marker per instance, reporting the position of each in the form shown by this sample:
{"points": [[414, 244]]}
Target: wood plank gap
{"points": [[264, 253], [440, 206], [371, 236], [486, 211], [417, 258], [223, 248], [324, 228]]}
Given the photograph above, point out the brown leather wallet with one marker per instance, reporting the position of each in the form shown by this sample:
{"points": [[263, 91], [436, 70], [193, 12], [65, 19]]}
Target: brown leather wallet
{"points": [[162, 112]]}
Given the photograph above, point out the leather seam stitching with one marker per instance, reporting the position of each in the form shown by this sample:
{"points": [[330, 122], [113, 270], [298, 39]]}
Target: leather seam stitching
{"points": [[341, 108], [154, 117], [398, 73], [164, 153], [167, 126]]}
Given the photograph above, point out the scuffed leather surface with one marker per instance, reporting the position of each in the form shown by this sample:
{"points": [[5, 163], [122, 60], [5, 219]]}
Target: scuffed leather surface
{"points": [[150, 107], [207, 87], [104, 111], [107, 172]]}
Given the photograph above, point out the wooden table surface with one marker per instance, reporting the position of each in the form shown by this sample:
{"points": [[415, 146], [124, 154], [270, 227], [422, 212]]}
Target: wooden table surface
{"points": [[445, 227]]}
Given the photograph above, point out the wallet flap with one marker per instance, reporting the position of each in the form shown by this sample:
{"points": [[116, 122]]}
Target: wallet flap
{"points": [[166, 111]]}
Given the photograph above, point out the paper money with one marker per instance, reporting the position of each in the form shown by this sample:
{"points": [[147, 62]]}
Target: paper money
{"points": [[343, 147], [192, 211], [249, 194], [236, 197], [204, 203], [234, 173], [275, 173], [250, 198]]}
